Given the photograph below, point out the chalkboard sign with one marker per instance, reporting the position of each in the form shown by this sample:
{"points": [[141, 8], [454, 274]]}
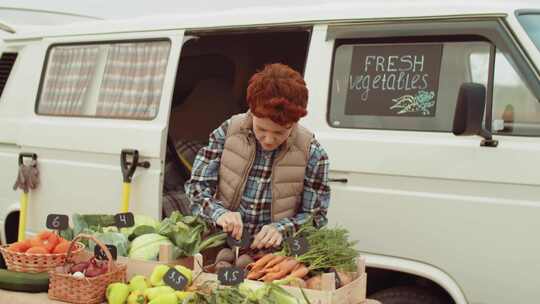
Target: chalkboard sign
{"points": [[230, 276], [100, 254], [394, 80], [244, 242], [124, 220], [57, 221], [297, 245], [175, 279], [337, 278]]}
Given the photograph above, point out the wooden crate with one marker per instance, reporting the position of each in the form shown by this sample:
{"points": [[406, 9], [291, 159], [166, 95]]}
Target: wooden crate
{"points": [[352, 293], [135, 266], [165, 257]]}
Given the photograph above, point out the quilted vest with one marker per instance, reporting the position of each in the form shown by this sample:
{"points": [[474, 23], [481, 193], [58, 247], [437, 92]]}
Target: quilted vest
{"points": [[288, 169]]}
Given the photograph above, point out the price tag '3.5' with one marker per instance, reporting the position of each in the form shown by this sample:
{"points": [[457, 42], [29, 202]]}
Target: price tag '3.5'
{"points": [[175, 279]]}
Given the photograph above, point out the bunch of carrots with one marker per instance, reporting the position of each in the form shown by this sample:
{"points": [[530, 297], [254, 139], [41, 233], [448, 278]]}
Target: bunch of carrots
{"points": [[44, 242], [272, 267]]}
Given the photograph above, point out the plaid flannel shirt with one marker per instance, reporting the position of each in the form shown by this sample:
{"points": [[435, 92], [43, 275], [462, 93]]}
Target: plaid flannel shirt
{"points": [[257, 196]]}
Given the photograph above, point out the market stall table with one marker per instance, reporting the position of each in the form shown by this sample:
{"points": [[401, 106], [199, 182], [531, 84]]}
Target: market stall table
{"points": [[12, 297]]}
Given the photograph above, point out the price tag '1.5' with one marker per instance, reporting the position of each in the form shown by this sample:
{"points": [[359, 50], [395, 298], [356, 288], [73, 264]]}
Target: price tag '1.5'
{"points": [[231, 276]]}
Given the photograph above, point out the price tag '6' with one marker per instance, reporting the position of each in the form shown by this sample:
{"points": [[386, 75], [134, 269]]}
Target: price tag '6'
{"points": [[57, 221]]}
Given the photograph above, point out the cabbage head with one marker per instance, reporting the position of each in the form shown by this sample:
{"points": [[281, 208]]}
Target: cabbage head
{"points": [[119, 240], [146, 246], [140, 220]]}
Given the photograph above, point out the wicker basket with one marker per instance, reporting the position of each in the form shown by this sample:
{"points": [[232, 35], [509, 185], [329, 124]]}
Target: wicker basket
{"points": [[65, 287], [35, 262]]}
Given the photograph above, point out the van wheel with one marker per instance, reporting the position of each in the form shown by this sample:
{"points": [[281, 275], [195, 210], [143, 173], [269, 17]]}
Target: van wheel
{"points": [[407, 295]]}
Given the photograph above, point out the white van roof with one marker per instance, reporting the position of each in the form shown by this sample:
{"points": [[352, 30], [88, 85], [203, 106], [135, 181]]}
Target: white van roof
{"points": [[238, 13]]}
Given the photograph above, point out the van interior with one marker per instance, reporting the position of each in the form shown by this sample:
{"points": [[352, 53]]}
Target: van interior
{"points": [[211, 82]]}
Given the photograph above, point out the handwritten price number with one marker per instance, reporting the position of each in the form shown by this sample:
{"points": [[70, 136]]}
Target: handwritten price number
{"points": [[175, 279], [231, 275], [124, 220], [101, 255], [337, 278], [57, 221], [298, 246], [244, 242]]}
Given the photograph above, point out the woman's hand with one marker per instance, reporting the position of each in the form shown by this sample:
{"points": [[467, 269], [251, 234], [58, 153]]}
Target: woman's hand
{"points": [[231, 222], [269, 236]]}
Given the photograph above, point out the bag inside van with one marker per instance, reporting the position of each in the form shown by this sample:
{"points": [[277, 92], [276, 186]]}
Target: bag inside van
{"points": [[210, 87]]}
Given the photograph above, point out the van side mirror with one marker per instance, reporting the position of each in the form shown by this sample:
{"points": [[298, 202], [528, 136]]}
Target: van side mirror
{"points": [[469, 113]]}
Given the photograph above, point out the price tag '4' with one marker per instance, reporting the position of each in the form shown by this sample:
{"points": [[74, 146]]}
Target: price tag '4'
{"points": [[124, 220]]}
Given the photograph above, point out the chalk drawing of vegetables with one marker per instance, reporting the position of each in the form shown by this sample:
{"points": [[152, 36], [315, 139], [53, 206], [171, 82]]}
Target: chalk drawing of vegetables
{"points": [[422, 102]]}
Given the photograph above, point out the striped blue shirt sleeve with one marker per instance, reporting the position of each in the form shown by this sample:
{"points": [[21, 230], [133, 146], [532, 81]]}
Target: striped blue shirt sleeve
{"points": [[202, 186]]}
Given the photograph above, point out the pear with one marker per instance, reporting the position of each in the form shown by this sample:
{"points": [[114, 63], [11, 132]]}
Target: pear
{"points": [[136, 297], [156, 278], [182, 295], [168, 298], [138, 282], [154, 292], [117, 293]]}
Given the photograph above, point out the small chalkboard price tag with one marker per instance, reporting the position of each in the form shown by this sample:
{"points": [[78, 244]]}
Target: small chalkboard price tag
{"points": [[337, 278], [57, 221], [101, 255], [244, 242], [175, 279], [124, 220], [298, 245], [231, 276]]}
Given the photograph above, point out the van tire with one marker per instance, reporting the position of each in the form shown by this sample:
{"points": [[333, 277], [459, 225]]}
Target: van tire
{"points": [[407, 295]]}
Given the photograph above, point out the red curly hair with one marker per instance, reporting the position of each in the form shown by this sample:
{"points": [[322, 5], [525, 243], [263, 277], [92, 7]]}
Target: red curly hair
{"points": [[279, 93]]}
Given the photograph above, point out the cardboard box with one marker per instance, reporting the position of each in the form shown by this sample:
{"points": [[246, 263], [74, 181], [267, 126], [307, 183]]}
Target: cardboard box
{"points": [[352, 293]]}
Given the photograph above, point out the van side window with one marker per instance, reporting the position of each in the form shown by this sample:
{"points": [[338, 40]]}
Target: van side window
{"points": [[114, 80], [515, 109], [399, 86]]}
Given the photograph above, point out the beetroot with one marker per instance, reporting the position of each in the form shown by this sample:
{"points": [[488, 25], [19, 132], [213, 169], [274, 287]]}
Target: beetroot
{"points": [[96, 268], [79, 267]]}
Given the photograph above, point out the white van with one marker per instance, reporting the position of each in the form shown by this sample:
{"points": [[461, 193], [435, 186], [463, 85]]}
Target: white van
{"points": [[439, 218]]}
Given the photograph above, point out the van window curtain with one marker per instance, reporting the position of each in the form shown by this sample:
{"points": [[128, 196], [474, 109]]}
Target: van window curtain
{"points": [[133, 80], [69, 71]]}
